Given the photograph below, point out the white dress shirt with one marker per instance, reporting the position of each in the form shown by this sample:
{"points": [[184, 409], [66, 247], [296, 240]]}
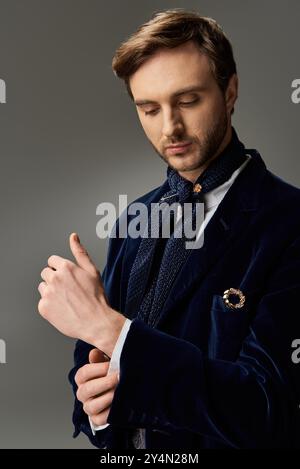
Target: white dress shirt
{"points": [[211, 202]]}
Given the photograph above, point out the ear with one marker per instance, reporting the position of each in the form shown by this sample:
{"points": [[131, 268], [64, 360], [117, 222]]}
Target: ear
{"points": [[231, 93]]}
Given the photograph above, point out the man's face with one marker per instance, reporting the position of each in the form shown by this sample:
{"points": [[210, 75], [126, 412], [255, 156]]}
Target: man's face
{"points": [[200, 117]]}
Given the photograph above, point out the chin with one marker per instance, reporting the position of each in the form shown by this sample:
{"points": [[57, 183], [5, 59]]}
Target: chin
{"points": [[183, 163]]}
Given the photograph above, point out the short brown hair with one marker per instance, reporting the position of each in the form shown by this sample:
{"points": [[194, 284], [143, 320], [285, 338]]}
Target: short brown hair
{"points": [[171, 28]]}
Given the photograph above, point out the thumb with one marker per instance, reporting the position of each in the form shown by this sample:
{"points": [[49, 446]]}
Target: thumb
{"points": [[81, 254], [97, 356]]}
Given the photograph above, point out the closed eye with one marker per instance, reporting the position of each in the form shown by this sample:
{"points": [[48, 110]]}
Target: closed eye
{"points": [[150, 112], [182, 103], [189, 102]]}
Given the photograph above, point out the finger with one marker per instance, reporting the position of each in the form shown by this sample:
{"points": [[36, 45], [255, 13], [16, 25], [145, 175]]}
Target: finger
{"points": [[98, 404], [42, 287], [81, 255], [101, 418], [91, 371], [97, 356], [96, 387], [47, 274], [57, 262]]}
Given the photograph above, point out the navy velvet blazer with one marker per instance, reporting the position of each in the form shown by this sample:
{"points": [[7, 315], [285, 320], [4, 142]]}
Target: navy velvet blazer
{"points": [[209, 376]]}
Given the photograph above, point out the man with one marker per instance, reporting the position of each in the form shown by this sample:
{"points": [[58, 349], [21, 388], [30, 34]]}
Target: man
{"points": [[199, 340]]}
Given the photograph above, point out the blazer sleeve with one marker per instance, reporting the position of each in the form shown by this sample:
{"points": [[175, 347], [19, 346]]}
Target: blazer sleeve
{"points": [[169, 384]]}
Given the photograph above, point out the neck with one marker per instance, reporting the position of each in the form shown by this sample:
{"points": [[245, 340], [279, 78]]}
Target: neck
{"points": [[194, 174]]}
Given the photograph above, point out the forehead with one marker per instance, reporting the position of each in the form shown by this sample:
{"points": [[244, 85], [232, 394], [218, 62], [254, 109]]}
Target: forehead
{"points": [[169, 70]]}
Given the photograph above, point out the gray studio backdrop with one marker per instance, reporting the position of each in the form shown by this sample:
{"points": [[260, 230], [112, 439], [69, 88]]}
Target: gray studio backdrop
{"points": [[70, 139]]}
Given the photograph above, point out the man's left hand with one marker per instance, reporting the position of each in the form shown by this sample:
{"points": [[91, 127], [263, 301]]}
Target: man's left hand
{"points": [[73, 300]]}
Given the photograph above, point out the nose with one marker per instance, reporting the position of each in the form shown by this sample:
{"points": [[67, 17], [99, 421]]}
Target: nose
{"points": [[172, 124]]}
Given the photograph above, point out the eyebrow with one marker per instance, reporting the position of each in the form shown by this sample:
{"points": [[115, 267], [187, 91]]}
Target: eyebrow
{"points": [[188, 89]]}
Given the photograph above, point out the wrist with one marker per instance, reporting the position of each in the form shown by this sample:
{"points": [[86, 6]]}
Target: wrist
{"points": [[111, 327]]}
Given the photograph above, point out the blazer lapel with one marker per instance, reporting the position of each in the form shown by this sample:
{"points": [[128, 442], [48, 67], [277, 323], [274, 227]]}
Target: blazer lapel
{"points": [[133, 244]]}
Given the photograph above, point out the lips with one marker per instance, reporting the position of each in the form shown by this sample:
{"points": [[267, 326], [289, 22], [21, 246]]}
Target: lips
{"points": [[182, 148], [179, 145]]}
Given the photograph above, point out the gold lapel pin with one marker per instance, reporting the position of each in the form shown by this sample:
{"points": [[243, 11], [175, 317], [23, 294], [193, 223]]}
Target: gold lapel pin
{"points": [[234, 292], [197, 188]]}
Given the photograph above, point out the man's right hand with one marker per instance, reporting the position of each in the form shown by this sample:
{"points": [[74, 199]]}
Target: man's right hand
{"points": [[96, 388]]}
